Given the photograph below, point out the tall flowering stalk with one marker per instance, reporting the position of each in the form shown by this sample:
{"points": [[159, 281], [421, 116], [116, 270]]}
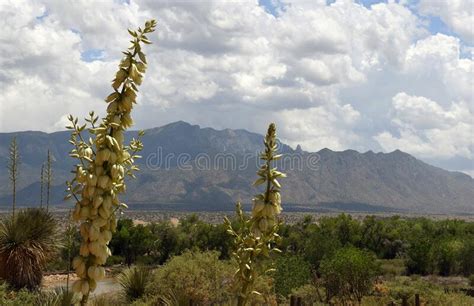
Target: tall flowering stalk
{"points": [[257, 236], [13, 171], [49, 177], [104, 161]]}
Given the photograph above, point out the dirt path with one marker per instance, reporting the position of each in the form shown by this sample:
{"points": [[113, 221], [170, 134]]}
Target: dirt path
{"points": [[53, 281]]}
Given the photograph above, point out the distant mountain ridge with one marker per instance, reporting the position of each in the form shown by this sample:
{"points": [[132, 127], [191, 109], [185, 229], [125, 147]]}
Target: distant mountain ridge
{"points": [[217, 168]]}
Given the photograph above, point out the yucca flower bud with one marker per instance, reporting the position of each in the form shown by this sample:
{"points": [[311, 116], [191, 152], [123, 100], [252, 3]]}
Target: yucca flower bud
{"points": [[264, 218]]}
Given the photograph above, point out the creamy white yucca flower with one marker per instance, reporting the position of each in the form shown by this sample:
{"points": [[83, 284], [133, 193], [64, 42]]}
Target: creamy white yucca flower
{"points": [[104, 161], [267, 205]]}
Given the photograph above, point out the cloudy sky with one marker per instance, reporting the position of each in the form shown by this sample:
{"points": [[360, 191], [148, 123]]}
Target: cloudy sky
{"points": [[365, 75]]}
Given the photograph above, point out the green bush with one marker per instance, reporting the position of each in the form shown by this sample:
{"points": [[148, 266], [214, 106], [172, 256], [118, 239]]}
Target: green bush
{"points": [[448, 256], [467, 258], [201, 277], [420, 257], [309, 294], [349, 274], [58, 297], [22, 297], [291, 272], [392, 267], [471, 280], [430, 292]]}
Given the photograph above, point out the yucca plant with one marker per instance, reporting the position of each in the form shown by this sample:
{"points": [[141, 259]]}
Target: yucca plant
{"points": [[134, 281], [58, 297], [104, 161], [173, 298], [257, 236], [27, 242]]}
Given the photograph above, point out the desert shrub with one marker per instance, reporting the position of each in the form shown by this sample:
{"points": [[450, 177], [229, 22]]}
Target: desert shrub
{"points": [[291, 272], [471, 280], [58, 297], [114, 260], [310, 294], [70, 242], [392, 267], [109, 299], [134, 281], [349, 274], [448, 256], [467, 258], [319, 245], [420, 257], [21, 297], [430, 292], [131, 241], [27, 242], [201, 277]]}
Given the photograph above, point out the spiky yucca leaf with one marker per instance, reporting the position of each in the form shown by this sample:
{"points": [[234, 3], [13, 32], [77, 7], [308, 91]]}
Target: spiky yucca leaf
{"points": [[173, 298], [59, 297], [134, 281], [27, 242]]}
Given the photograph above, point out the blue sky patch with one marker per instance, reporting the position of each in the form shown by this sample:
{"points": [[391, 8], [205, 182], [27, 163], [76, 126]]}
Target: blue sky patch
{"points": [[272, 6], [42, 16], [93, 55]]}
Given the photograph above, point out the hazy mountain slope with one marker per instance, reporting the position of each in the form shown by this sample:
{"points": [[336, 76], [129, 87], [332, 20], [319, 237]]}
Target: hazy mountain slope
{"points": [[186, 166]]}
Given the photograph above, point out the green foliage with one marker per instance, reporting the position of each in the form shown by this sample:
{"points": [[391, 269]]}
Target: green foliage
{"points": [[21, 297], [291, 272], [58, 297], [134, 281], [471, 280], [405, 246], [392, 267], [109, 299], [430, 292], [132, 241], [26, 244], [201, 277], [466, 256], [309, 294], [70, 241], [448, 256], [420, 255], [155, 243], [349, 274]]}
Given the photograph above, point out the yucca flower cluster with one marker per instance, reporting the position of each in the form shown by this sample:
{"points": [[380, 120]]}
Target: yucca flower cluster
{"points": [[267, 205], [256, 238], [104, 163]]}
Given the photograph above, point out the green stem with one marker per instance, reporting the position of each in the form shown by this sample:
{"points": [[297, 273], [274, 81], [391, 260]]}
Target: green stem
{"points": [[84, 299]]}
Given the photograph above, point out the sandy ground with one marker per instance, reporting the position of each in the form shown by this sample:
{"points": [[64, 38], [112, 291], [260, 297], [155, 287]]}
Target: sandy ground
{"points": [[52, 281]]}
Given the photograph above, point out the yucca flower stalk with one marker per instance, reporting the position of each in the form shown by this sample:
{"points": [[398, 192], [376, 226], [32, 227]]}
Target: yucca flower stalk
{"points": [[257, 236], [49, 178], [104, 162], [13, 170], [42, 185]]}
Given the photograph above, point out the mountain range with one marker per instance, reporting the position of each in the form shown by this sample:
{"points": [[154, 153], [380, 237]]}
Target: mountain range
{"points": [[192, 168]]}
